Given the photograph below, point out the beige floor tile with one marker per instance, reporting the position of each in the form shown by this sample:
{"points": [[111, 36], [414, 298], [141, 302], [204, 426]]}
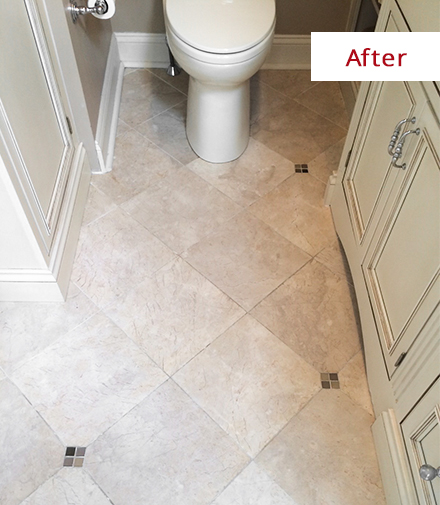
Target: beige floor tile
{"points": [[68, 487], [166, 451], [333, 461], [296, 132], [246, 259], [250, 383], [263, 98], [333, 257], [181, 210], [144, 96], [167, 130], [295, 209], [254, 487], [312, 312], [122, 128], [114, 254], [288, 82], [353, 381], [245, 180], [85, 382], [326, 98], [137, 164], [326, 163], [174, 315], [97, 205], [179, 82], [30, 452], [27, 328]]}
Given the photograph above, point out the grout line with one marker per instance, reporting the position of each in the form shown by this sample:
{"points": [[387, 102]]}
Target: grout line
{"points": [[166, 82]]}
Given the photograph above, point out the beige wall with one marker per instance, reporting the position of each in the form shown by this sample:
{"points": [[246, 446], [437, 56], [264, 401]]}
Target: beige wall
{"points": [[91, 39], [294, 17]]}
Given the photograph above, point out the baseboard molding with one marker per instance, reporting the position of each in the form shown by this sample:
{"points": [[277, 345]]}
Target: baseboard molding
{"points": [[289, 52], [149, 50], [109, 108]]}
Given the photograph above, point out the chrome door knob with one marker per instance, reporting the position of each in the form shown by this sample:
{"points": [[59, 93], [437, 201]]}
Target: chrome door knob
{"points": [[428, 472]]}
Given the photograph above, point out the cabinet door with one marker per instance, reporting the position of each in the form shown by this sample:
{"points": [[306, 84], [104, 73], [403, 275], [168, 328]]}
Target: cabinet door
{"points": [[401, 267], [33, 116], [421, 434]]}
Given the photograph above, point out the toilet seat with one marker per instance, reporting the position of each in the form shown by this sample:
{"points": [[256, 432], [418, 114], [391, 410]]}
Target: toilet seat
{"points": [[221, 26]]}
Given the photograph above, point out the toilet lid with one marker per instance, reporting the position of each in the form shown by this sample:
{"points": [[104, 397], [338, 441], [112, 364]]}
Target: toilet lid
{"points": [[221, 26]]}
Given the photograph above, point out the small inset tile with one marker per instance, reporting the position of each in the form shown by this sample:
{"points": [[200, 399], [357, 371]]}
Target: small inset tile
{"points": [[81, 451], [325, 384], [333, 376], [78, 462], [301, 168], [325, 377], [70, 451], [68, 462], [330, 381]]}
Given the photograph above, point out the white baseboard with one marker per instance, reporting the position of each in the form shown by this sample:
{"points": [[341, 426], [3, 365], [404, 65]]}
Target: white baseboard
{"points": [[109, 108], [149, 50], [289, 52]]}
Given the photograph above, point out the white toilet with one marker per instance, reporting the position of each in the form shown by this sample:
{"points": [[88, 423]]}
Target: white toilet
{"points": [[221, 44]]}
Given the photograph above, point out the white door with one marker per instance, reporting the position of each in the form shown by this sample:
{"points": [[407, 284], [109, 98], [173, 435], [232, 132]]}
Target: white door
{"points": [[34, 124]]}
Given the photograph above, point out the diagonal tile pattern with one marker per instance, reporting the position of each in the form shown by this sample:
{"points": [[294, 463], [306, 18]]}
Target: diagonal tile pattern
{"points": [[206, 300]]}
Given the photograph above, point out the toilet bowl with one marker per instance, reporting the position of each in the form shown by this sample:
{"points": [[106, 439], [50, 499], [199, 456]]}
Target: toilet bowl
{"points": [[221, 44]]}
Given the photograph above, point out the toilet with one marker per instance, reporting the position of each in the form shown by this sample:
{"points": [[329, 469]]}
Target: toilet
{"points": [[221, 44]]}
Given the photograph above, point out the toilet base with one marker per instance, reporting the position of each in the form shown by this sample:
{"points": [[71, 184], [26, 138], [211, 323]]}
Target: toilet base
{"points": [[218, 118]]}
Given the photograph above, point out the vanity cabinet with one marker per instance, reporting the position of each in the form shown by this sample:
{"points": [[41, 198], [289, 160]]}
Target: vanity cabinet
{"points": [[387, 214]]}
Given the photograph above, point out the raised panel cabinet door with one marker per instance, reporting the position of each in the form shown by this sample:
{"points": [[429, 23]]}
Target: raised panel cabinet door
{"points": [[402, 265], [421, 434], [32, 113]]}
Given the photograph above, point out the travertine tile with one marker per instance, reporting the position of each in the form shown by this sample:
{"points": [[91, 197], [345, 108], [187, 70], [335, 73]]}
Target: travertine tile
{"points": [[253, 487], [27, 328], [327, 162], [137, 164], [2, 375], [181, 210], [295, 210], [296, 132], [246, 259], [144, 95], [249, 177], [68, 487], [122, 128], [85, 382], [326, 98], [333, 258], [167, 130], [97, 205], [312, 312], [263, 98], [166, 451], [333, 461], [288, 82], [353, 381], [179, 82], [250, 383], [174, 315], [30, 452], [114, 254]]}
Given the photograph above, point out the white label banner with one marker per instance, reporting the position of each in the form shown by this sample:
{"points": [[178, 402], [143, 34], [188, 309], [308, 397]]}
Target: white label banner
{"points": [[375, 56]]}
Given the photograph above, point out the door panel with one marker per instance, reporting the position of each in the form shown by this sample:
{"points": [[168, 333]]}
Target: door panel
{"points": [[33, 111]]}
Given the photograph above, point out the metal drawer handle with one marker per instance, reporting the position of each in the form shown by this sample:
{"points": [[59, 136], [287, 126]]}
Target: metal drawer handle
{"points": [[398, 152], [396, 133], [428, 472]]}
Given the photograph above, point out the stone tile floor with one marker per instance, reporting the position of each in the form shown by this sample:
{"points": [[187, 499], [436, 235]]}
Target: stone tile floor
{"points": [[205, 302]]}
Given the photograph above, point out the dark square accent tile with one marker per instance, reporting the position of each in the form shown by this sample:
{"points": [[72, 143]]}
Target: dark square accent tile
{"points": [[70, 451], [325, 384], [304, 165], [78, 462], [305, 170], [297, 170], [81, 451], [68, 462], [334, 377]]}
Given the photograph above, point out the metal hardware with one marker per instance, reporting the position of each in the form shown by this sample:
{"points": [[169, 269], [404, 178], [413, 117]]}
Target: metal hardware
{"points": [[400, 359], [69, 125], [428, 472], [398, 152], [173, 68], [396, 133], [100, 8]]}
